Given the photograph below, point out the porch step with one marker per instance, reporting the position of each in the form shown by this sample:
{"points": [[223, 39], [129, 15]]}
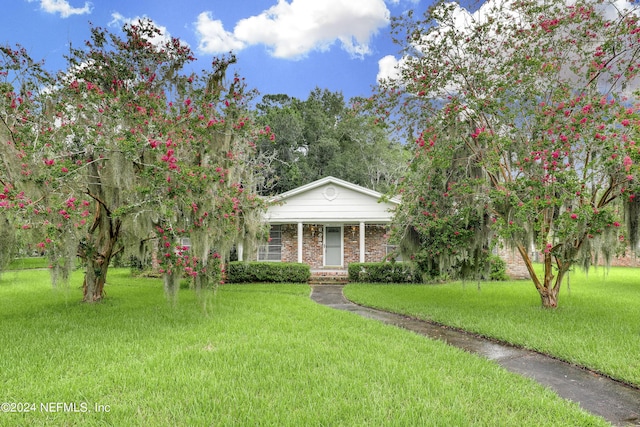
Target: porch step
{"points": [[326, 277], [328, 280]]}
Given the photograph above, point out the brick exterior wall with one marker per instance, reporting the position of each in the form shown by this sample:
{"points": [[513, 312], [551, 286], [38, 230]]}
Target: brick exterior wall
{"points": [[515, 265], [313, 248], [375, 243], [289, 243], [517, 270], [629, 260]]}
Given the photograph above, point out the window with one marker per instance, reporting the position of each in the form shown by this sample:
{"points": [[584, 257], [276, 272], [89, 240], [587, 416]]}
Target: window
{"points": [[185, 242], [393, 250], [272, 251]]}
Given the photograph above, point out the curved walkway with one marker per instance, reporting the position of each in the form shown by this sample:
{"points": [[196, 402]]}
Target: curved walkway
{"points": [[617, 403]]}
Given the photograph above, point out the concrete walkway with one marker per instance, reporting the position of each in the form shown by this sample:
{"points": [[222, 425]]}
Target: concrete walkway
{"points": [[617, 403]]}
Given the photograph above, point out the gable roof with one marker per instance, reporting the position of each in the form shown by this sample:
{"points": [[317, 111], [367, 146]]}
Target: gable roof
{"points": [[330, 200]]}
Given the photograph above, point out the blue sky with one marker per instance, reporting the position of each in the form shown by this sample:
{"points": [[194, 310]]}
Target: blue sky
{"points": [[283, 46]]}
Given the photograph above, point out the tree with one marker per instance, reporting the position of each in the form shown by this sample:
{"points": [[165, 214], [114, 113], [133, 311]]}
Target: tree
{"points": [[20, 79], [284, 143], [324, 136], [525, 128], [126, 149]]}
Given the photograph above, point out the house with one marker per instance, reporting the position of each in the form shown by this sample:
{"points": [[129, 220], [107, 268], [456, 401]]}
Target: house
{"points": [[328, 224]]}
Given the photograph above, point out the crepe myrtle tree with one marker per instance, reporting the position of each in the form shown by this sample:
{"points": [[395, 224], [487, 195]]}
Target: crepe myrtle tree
{"points": [[20, 80], [526, 129], [124, 144]]}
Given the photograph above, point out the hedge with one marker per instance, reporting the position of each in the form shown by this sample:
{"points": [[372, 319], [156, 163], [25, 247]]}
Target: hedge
{"points": [[383, 272], [270, 272]]}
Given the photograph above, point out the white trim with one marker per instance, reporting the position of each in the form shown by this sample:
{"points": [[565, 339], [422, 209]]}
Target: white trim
{"points": [[240, 251], [362, 242], [300, 241], [334, 181]]}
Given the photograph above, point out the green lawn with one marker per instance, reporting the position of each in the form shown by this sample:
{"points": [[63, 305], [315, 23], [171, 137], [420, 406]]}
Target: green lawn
{"points": [[27, 263], [597, 323], [258, 355]]}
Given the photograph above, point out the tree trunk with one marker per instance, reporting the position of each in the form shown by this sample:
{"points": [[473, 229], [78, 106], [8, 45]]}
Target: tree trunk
{"points": [[549, 297], [547, 288], [95, 279], [97, 252]]}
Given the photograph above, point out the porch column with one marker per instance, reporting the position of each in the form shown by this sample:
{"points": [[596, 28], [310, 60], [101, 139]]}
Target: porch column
{"points": [[362, 258], [300, 242], [240, 250]]}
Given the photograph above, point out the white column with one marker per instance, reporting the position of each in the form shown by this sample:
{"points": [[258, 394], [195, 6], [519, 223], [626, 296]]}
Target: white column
{"points": [[300, 242], [240, 250], [362, 242]]}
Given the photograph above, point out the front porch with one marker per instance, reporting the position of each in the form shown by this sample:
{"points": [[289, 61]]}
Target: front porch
{"points": [[327, 248]]}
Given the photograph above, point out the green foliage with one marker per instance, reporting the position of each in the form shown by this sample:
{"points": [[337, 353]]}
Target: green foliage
{"points": [[127, 145], [497, 268], [525, 130], [326, 136], [9, 241], [383, 272], [267, 272]]}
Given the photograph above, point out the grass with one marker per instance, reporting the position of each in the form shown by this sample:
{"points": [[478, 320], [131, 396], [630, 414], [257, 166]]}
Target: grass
{"points": [[257, 355], [28, 263], [596, 325]]}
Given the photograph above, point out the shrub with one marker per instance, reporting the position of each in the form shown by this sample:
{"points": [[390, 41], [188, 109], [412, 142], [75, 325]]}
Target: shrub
{"points": [[271, 272], [383, 272], [484, 267], [497, 268]]}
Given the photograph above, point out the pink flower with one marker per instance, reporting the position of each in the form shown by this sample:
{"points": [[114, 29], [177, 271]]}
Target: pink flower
{"points": [[627, 162], [574, 216], [625, 122], [616, 224]]}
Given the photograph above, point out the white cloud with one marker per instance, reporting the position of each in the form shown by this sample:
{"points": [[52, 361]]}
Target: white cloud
{"points": [[292, 30], [63, 7], [158, 40], [213, 37], [388, 68]]}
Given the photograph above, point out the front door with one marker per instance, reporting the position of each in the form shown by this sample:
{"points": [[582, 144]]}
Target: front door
{"points": [[333, 246]]}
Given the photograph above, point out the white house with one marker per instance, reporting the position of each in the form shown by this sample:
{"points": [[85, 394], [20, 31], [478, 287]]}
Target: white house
{"points": [[328, 224]]}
